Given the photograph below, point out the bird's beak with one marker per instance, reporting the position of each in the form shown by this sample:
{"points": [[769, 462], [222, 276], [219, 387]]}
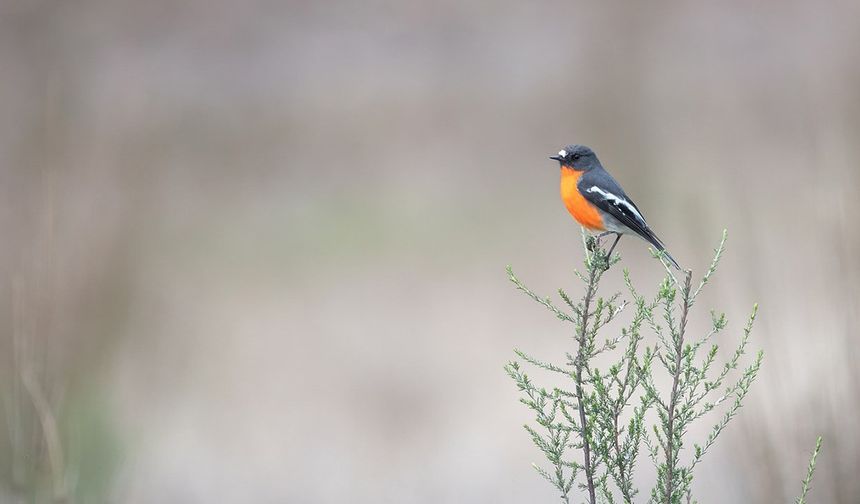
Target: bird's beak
{"points": [[555, 158]]}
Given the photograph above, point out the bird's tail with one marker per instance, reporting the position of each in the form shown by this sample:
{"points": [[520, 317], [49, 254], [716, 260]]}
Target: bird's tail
{"points": [[651, 238]]}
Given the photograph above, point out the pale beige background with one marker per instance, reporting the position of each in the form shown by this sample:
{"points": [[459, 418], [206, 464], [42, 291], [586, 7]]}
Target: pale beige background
{"points": [[255, 251]]}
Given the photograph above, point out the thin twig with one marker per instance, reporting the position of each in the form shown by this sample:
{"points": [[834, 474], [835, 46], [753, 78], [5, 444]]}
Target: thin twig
{"points": [[673, 399], [580, 363], [809, 472]]}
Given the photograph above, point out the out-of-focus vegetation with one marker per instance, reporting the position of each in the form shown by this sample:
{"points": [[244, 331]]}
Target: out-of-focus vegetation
{"points": [[252, 250]]}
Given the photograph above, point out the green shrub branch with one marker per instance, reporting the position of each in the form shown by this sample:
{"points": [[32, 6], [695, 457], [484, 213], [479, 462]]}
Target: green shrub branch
{"points": [[593, 430]]}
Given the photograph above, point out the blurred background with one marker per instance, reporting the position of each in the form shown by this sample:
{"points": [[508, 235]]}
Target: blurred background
{"points": [[254, 251]]}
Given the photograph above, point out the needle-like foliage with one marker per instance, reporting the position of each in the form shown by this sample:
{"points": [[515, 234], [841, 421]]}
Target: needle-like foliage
{"points": [[807, 483], [592, 430]]}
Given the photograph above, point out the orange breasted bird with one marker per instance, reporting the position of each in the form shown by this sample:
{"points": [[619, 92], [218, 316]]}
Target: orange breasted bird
{"points": [[598, 202]]}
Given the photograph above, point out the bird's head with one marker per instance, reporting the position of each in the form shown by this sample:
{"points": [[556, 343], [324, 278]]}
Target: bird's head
{"points": [[577, 157]]}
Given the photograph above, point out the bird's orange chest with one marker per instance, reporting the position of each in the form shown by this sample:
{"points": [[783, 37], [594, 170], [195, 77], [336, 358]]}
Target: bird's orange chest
{"points": [[584, 212]]}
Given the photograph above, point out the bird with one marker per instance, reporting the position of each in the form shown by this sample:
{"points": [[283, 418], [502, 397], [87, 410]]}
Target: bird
{"points": [[597, 201]]}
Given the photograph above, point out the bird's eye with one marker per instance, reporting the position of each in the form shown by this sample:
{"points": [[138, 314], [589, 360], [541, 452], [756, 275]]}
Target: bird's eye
{"points": [[577, 156]]}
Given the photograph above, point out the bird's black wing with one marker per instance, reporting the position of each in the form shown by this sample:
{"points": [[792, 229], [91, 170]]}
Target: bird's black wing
{"points": [[600, 189]]}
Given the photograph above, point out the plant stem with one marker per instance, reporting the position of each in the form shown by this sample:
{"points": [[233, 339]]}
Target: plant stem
{"points": [[673, 399], [582, 338], [809, 472], [622, 480]]}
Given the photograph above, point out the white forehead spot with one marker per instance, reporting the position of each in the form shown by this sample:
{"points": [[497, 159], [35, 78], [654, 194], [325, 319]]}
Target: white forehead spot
{"points": [[562, 153]]}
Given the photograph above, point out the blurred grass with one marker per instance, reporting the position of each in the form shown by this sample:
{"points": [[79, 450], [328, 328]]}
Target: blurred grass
{"points": [[258, 241]]}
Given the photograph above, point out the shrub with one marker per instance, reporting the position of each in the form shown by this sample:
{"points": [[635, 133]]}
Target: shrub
{"points": [[592, 430]]}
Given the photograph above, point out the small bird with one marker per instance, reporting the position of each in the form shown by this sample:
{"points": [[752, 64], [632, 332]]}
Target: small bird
{"points": [[598, 202]]}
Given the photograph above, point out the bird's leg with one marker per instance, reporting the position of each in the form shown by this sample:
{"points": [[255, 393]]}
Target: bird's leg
{"points": [[609, 255], [601, 235], [593, 242]]}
